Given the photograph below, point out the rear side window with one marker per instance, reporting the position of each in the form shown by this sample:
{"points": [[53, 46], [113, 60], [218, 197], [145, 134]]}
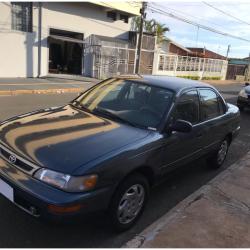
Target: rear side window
{"points": [[187, 107], [210, 106]]}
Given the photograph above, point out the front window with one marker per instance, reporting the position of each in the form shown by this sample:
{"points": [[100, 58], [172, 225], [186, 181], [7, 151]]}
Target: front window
{"points": [[187, 107], [128, 101], [21, 13]]}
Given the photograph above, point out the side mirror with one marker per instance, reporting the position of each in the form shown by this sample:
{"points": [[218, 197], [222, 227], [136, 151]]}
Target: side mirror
{"points": [[247, 84], [182, 126]]}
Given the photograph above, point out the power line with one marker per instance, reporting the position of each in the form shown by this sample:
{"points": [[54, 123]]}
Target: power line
{"points": [[226, 13], [201, 26], [186, 14]]}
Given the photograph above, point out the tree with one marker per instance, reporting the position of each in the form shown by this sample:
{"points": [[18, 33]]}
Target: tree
{"points": [[160, 29], [151, 26]]}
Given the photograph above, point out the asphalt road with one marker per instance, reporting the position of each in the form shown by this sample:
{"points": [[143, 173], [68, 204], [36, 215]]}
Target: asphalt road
{"points": [[18, 229]]}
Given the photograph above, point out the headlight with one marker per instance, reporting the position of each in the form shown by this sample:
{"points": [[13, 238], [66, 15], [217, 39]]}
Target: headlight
{"points": [[243, 93], [66, 182]]}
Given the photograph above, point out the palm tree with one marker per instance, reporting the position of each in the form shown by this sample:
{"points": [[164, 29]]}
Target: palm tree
{"points": [[160, 29], [151, 26], [135, 25]]}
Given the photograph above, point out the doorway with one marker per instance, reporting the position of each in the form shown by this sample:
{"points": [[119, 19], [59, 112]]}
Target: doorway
{"points": [[65, 52]]}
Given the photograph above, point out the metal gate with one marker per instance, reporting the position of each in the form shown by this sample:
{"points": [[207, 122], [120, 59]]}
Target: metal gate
{"points": [[109, 57]]}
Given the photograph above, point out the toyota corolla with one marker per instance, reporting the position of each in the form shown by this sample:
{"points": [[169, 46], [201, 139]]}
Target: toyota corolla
{"points": [[105, 149]]}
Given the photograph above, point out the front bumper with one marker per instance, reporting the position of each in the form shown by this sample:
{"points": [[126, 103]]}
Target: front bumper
{"points": [[37, 198], [243, 102]]}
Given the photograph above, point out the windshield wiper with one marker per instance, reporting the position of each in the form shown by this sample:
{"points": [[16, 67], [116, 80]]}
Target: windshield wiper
{"points": [[80, 105], [110, 114]]}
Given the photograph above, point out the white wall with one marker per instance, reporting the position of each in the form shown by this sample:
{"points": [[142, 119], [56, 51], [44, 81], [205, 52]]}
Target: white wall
{"points": [[18, 50], [197, 73]]}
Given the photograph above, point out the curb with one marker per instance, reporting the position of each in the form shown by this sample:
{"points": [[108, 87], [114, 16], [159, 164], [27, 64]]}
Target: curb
{"points": [[151, 231], [40, 91]]}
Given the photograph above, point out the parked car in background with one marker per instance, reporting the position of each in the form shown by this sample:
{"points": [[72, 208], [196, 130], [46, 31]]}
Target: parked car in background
{"points": [[243, 100], [105, 149]]}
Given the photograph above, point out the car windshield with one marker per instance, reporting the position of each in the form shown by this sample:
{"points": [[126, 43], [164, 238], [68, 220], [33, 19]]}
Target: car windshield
{"points": [[127, 101]]}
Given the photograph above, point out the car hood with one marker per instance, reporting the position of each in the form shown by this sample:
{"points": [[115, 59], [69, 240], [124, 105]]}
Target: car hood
{"points": [[65, 138]]}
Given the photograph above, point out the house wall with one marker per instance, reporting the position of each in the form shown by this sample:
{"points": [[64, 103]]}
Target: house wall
{"points": [[18, 50], [234, 70], [173, 49], [207, 54]]}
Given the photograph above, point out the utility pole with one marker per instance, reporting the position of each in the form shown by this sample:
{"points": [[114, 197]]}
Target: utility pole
{"points": [[248, 70], [228, 50], [39, 38], [139, 45]]}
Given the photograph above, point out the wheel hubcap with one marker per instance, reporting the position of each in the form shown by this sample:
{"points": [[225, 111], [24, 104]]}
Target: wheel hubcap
{"points": [[222, 152], [131, 204]]}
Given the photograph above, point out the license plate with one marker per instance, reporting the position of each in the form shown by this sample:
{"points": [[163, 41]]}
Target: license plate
{"points": [[6, 190]]}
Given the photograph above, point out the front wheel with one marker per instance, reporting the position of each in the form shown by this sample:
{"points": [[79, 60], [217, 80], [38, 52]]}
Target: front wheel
{"points": [[128, 202], [217, 160]]}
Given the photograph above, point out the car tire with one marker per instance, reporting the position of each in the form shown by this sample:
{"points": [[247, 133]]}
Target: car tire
{"points": [[129, 202], [218, 158]]}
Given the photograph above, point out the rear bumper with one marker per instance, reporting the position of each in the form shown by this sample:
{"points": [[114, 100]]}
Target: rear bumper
{"points": [[37, 198], [235, 133]]}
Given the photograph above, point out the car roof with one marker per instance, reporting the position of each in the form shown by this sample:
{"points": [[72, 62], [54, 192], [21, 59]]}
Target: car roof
{"points": [[169, 82]]}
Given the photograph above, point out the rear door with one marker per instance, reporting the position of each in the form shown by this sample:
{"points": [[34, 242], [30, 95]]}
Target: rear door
{"points": [[212, 110]]}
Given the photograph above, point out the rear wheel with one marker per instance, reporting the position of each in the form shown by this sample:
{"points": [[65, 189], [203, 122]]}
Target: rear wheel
{"points": [[217, 159], [128, 202]]}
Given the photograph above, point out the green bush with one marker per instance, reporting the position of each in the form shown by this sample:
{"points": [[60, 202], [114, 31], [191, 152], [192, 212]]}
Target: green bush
{"points": [[190, 77], [211, 78]]}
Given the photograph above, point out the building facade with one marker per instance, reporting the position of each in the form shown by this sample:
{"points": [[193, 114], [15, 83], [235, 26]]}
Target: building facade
{"points": [[38, 39], [238, 69]]}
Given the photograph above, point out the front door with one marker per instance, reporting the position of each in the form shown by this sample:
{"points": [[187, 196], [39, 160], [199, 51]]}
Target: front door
{"points": [[179, 148]]}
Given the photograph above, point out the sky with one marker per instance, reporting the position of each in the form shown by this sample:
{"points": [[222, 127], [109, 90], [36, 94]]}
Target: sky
{"points": [[190, 36]]}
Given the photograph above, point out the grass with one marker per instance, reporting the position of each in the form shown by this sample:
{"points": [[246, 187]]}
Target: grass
{"points": [[203, 78]]}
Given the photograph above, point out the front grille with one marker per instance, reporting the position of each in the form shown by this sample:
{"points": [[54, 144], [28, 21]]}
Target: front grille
{"points": [[19, 162]]}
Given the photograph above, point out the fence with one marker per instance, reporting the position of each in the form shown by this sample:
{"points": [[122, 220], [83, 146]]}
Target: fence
{"points": [[190, 66]]}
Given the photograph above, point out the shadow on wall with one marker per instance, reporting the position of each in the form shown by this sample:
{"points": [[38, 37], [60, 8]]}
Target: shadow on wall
{"points": [[29, 44]]}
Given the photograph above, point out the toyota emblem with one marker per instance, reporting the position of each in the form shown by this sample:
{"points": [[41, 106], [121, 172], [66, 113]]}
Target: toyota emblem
{"points": [[12, 159]]}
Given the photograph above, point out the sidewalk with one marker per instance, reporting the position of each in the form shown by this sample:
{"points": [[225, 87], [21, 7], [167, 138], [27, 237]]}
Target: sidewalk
{"points": [[217, 215], [15, 86]]}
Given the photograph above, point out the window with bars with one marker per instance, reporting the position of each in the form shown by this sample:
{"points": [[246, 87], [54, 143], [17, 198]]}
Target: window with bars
{"points": [[21, 13], [124, 18]]}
